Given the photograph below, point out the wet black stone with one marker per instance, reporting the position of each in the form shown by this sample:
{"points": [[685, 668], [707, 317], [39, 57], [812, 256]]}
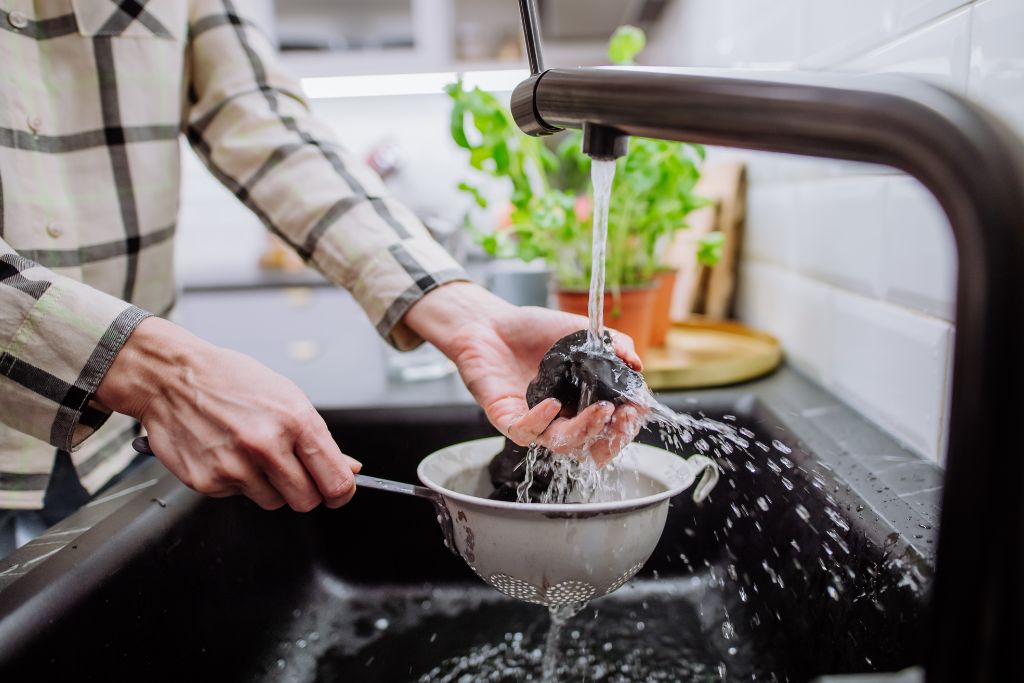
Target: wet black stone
{"points": [[507, 472], [565, 369]]}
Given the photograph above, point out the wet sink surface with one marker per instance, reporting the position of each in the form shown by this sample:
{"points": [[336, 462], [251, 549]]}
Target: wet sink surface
{"points": [[805, 560], [652, 630]]}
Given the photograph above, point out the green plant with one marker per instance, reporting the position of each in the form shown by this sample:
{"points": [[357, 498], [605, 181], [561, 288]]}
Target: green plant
{"points": [[550, 218]]}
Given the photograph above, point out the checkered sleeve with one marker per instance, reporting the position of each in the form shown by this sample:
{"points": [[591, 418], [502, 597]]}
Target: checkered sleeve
{"points": [[251, 125], [57, 340]]}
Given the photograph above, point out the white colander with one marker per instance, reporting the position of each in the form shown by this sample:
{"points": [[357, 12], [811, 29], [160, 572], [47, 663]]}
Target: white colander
{"points": [[558, 554]]}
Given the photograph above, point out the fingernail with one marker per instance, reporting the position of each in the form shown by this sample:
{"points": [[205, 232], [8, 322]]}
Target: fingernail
{"points": [[555, 402], [354, 464]]}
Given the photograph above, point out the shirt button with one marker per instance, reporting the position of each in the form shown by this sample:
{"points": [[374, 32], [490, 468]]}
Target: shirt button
{"points": [[17, 19], [35, 123], [54, 230]]}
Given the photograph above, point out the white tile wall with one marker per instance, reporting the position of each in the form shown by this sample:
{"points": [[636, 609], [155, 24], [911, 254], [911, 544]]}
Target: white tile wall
{"points": [[997, 58], [853, 267], [772, 212], [890, 365], [799, 311], [835, 30], [939, 51], [913, 13], [839, 231], [919, 255]]}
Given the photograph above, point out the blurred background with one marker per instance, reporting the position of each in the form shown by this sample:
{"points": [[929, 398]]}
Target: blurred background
{"points": [[851, 267]]}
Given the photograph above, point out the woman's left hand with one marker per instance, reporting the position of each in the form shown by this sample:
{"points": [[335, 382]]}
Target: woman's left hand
{"points": [[498, 347]]}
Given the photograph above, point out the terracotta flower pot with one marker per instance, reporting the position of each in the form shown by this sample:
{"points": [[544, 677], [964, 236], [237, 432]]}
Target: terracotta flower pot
{"points": [[665, 282], [630, 314]]}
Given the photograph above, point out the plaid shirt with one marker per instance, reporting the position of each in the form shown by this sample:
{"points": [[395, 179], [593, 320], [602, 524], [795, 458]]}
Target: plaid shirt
{"points": [[94, 95]]}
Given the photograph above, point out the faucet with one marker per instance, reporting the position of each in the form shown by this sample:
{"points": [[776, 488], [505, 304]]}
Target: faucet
{"points": [[974, 165]]}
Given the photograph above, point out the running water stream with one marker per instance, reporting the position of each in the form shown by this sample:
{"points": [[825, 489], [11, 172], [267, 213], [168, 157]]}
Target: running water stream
{"points": [[602, 173]]}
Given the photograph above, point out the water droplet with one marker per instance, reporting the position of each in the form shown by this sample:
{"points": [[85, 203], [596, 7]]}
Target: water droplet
{"points": [[802, 512], [607, 647], [781, 447], [837, 519], [727, 630], [640, 626], [300, 643], [381, 624], [833, 593], [281, 664], [838, 541]]}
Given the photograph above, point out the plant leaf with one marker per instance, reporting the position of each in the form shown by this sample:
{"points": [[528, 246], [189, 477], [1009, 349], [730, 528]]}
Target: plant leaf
{"points": [[625, 44], [480, 200], [709, 248]]}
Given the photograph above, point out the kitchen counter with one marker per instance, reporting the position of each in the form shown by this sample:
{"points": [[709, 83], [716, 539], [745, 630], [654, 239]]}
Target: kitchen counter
{"points": [[317, 336]]}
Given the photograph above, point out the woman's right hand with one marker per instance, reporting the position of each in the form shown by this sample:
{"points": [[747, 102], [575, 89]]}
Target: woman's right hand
{"points": [[225, 424]]}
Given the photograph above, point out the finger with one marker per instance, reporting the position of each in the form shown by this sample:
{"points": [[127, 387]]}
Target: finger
{"points": [[566, 435], [625, 349], [289, 477], [257, 489], [620, 432], [330, 469], [626, 422], [528, 428]]}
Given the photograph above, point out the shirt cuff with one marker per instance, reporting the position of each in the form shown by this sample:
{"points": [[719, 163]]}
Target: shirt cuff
{"points": [[51, 367], [396, 278]]}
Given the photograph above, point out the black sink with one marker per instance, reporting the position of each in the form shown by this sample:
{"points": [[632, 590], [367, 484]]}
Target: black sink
{"points": [[801, 563]]}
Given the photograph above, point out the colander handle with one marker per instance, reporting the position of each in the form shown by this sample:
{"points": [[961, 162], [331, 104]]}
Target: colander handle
{"points": [[708, 479], [444, 518]]}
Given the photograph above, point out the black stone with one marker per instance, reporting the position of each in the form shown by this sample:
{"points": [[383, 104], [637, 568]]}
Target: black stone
{"points": [[566, 368]]}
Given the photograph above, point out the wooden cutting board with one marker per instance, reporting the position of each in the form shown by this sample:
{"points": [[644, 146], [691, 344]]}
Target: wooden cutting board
{"points": [[710, 353]]}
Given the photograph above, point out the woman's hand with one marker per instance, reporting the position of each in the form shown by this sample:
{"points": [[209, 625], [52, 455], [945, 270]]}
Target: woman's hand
{"points": [[498, 348], [225, 424]]}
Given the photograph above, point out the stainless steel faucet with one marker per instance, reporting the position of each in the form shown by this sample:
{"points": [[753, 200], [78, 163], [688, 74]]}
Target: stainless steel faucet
{"points": [[974, 165]]}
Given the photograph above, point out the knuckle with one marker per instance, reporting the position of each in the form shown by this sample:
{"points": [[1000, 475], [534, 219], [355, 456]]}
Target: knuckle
{"points": [[257, 440], [204, 484], [228, 473]]}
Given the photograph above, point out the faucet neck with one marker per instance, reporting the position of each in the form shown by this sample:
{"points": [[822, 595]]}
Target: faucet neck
{"points": [[531, 31]]}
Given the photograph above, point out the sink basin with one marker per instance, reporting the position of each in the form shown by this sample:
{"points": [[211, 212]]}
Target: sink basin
{"points": [[811, 557]]}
